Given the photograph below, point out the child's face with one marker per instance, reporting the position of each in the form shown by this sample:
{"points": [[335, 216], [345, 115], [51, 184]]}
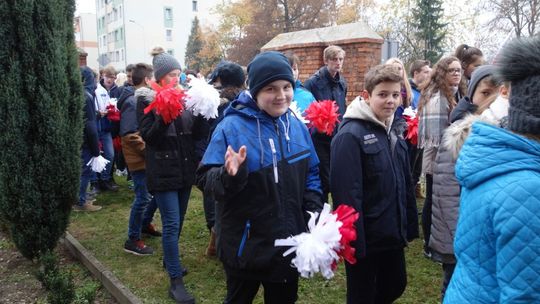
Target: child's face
{"points": [[384, 99], [275, 98], [484, 92], [453, 75], [295, 71], [168, 78], [472, 66]]}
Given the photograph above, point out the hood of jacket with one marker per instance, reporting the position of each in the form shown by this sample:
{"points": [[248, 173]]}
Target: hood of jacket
{"points": [[146, 93], [456, 134], [127, 91], [491, 151], [359, 109], [89, 82], [413, 85]]}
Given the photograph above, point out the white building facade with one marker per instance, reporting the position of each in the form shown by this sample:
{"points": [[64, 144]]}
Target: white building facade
{"points": [[86, 37], [127, 30]]}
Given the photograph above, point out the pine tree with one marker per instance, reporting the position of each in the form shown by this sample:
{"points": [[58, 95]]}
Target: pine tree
{"points": [[430, 30], [40, 121], [194, 46]]}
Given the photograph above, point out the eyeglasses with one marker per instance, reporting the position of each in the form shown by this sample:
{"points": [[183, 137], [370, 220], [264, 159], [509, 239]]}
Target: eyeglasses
{"points": [[454, 71]]}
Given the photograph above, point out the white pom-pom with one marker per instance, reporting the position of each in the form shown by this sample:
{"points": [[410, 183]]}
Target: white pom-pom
{"points": [[409, 112], [98, 163], [316, 251], [202, 98], [297, 112]]}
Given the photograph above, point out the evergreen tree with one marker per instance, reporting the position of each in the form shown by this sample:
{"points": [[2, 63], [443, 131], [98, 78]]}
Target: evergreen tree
{"points": [[194, 46], [430, 30], [41, 121]]}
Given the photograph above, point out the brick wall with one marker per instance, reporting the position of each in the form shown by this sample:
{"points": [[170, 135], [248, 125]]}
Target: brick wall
{"points": [[361, 55]]}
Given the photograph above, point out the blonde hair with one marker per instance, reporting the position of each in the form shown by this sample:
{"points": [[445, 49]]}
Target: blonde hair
{"points": [[404, 82], [121, 78], [332, 52]]}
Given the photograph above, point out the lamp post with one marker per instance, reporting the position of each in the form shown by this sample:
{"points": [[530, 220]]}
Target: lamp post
{"points": [[143, 32]]}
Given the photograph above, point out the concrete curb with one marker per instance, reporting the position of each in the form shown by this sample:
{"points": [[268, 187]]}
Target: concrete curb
{"points": [[120, 292]]}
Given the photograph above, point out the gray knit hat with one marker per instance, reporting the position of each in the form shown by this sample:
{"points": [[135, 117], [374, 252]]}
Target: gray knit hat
{"points": [[163, 63], [479, 73], [519, 64]]}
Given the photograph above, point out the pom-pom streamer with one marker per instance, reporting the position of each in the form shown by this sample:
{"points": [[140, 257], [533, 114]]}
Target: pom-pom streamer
{"points": [[168, 102], [202, 99], [98, 163], [323, 115]]}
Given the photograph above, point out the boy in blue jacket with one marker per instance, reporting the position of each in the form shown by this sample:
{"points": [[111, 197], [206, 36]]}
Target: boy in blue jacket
{"points": [[370, 172], [266, 187]]}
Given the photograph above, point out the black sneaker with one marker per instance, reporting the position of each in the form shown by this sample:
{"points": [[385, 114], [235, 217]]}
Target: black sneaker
{"points": [[137, 248], [107, 186], [150, 229]]}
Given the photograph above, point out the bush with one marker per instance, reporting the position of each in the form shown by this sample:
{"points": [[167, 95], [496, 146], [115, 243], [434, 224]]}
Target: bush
{"points": [[58, 283], [41, 121]]}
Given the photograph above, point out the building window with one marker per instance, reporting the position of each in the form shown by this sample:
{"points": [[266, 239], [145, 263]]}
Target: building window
{"points": [[168, 35], [117, 57], [194, 5], [120, 11], [168, 13], [170, 52]]}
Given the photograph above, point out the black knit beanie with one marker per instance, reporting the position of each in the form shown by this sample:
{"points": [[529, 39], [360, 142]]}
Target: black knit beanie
{"points": [[519, 63], [163, 63], [479, 73], [229, 73], [267, 67]]}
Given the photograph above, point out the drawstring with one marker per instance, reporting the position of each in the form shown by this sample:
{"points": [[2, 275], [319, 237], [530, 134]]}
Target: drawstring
{"points": [[287, 127], [260, 141]]}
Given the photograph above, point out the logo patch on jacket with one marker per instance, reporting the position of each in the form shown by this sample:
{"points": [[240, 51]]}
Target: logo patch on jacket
{"points": [[370, 139]]}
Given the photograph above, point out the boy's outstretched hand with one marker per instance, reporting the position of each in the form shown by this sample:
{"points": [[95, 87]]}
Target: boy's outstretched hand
{"points": [[234, 160]]}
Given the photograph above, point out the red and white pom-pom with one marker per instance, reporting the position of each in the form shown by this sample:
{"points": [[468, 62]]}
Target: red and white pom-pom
{"points": [[412, 125], [98, 163], [323, 115], [202, 98], [320, 249], [168, 102], [112, 112], [297, 112]]}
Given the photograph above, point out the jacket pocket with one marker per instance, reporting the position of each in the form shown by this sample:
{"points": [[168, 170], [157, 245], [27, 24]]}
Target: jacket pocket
{"points": [[375, 161]]}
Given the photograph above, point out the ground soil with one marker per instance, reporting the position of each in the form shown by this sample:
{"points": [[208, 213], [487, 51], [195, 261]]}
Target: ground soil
{"points": [[18, 283]]}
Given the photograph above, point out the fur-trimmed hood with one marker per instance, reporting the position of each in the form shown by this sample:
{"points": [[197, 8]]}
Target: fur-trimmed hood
{"points": [[147, 93], [456, 134]]}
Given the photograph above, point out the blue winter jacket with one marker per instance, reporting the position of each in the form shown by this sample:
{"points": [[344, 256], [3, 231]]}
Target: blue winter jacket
{"points": [[269, 196], [302, 96], [497, 241]]}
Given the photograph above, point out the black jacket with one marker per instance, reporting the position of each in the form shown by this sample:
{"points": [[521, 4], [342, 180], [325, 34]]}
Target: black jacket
{"points": [[90, 140], [171, 159], [370, 171], [128, 111], [325, 87]]}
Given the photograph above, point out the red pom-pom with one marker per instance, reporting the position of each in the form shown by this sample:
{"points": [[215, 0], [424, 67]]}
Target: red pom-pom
{"points": [[112, 113], [348, 216], [323, 116], [117, 144], [412, 129], [169, 101]]}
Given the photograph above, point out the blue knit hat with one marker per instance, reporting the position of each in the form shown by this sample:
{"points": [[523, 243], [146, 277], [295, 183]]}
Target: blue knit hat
{"points": [[266, 68]]}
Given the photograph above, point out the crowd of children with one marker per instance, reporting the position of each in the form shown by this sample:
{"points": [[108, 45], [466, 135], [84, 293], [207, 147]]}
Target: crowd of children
{"points": [[262, 171]]}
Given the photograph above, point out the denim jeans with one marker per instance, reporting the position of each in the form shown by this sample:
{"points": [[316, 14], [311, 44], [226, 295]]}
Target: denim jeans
{"points": [[172, 207], [86, 174], [108, 152], [143, 207]]}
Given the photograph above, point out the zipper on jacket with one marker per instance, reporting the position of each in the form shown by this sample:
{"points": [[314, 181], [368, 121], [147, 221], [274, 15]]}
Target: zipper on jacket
{"points": [[245, 236], [274, 159]]}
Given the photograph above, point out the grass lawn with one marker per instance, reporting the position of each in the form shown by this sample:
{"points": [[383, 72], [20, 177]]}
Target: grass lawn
{"points": [[104, 233]]}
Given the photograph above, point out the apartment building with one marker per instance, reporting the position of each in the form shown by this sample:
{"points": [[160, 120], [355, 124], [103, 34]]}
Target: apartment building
{"points": [[86, 37], [127, 30]]}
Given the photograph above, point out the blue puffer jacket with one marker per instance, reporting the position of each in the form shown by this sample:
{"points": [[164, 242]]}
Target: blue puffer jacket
{"points": [[269, 196], [497, 240], [302, 96]]}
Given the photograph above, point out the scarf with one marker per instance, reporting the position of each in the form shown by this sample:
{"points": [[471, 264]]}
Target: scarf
{"points": [[433, 121]]}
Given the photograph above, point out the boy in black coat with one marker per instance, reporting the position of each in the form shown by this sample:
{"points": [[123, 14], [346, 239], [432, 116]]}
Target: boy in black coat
{"points": [[370, 172]]}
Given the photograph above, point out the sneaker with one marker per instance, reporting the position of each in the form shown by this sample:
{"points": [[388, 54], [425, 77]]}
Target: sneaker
{"points": [[90, 201], [178, 292], [150, 229], [137, 247], [86, 207]]}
